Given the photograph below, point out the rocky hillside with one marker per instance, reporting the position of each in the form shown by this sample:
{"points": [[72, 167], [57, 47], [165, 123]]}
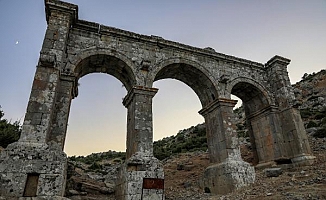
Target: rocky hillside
{"points": [[185, 157], [187, 140], [311, 95]]}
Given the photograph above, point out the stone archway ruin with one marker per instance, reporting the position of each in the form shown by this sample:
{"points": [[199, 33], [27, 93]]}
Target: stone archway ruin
{"points": [[73, 48]]}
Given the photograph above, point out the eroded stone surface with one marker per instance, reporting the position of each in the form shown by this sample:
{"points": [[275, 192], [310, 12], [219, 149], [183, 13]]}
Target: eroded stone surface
{"points": [[20, 159], [227, 176], [73, 48], [273, 172], [129, 184]]}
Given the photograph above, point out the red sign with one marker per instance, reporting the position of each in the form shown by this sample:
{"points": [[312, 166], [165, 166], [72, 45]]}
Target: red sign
{"points": [[153, 183]]}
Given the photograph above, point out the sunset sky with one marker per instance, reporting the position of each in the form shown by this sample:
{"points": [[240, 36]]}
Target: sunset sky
{"points": [[252, 29]]}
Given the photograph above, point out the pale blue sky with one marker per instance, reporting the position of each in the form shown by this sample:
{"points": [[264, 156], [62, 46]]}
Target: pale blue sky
{"points": [[255, 30]]}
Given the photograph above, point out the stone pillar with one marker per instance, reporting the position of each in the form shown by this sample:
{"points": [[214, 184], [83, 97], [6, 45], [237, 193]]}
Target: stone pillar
{"points": [[34, 165], [140, 165], [228, 171], [41, 104], [139, 120], [294, 135], [266, 136], [66, 91]]}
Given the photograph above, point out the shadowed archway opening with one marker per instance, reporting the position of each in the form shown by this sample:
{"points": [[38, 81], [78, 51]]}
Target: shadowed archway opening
{"points": [[253, 102]]}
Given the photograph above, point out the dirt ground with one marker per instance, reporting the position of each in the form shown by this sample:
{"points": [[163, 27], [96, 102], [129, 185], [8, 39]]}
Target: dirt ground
{"points": [[182, 174]]}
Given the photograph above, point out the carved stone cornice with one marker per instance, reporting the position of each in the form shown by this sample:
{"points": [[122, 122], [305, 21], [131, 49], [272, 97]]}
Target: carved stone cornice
{"points": [[216, 104], [138, 90], [277, 60], [266, 110], [64, 7], [47, 60]]}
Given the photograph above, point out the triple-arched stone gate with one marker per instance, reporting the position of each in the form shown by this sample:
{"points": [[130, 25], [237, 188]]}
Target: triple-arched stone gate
{"points": [[73, 48]]}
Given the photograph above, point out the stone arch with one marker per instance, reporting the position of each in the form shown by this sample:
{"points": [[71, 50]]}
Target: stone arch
{"points": [[278, 130], [91, 60], [104, 61], [260, 120], [238, 82], [192, 74]]}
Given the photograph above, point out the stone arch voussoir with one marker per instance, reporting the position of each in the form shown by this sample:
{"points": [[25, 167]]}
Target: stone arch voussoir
{"points": [[74, 61], [252, 82], [210, 92]]}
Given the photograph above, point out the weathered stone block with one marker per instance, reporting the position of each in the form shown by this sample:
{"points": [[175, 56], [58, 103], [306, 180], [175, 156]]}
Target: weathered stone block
{"points": [[130, 179], [273, 172], [303, 160], [20, 160], [227, 176]]}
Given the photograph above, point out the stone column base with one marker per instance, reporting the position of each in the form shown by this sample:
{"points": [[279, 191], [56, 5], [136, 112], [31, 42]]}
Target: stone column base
{"points": [[32, 169], [134, 172], [303, 160], [225, 177]]}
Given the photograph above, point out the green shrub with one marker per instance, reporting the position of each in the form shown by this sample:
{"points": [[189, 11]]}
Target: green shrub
{"points": [[180, 138], [242, 133], [98, 157], [319, 115], [202, 133], [311, 124], [160, 153], [306, 113], [95, 166], [320, 133], [323, 122], [117, 160], [9, 132]]}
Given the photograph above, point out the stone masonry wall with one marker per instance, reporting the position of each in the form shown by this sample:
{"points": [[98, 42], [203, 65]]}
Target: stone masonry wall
{"points": [[73, 48]]}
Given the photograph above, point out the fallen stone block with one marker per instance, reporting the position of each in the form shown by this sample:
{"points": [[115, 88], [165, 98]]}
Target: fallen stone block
{"points": [[188, 167], [273, 172]]}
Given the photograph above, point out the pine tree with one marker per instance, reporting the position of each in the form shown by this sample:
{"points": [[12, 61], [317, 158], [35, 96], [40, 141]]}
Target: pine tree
{"points": [[9, 132]]}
